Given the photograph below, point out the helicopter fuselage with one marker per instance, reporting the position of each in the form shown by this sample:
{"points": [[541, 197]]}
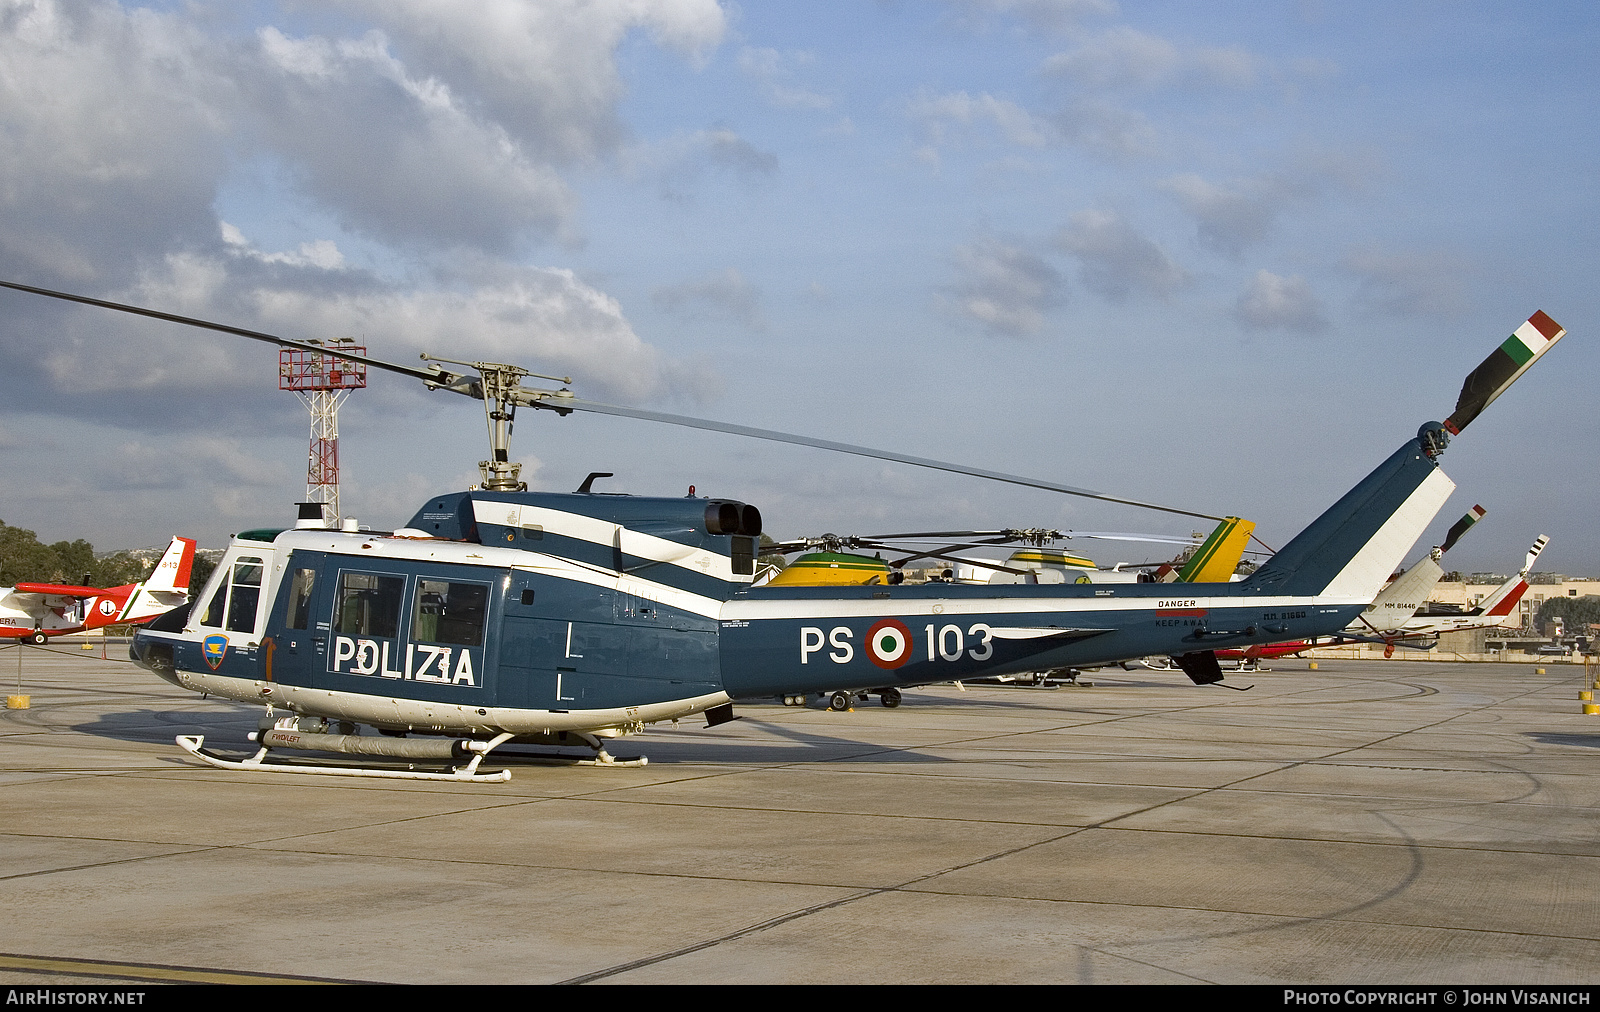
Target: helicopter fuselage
{"points": [[535, 613]]}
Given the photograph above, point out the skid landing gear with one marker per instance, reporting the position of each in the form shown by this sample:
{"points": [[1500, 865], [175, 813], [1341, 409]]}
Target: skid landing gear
{"points": [[391, 748], [285, 734]]}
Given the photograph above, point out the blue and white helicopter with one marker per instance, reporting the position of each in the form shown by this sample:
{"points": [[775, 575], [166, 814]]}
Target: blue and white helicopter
{"points": [[503, 616]]}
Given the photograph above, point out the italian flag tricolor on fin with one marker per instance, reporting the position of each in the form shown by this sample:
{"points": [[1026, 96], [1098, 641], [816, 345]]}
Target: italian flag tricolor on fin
{"points": [[1502, 368]]}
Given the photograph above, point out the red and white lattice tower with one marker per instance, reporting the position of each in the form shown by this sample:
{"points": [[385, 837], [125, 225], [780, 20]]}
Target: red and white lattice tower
{"points": [[322, 382]]}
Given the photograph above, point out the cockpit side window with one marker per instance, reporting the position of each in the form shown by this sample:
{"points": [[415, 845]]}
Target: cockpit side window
{"points": [[244, 594], [214, 609], [233, 603]]}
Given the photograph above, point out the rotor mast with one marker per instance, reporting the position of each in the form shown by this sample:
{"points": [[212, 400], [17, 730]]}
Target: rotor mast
{"points": [[500, 388]]}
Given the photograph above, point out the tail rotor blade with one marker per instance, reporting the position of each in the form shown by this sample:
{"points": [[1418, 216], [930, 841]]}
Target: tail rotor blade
{"points": [[1502, 367], [1461, 527], [1533, 553]]}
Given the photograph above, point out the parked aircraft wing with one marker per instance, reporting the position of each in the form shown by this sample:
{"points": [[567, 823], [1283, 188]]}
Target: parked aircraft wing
{"points": [[57, 590]]}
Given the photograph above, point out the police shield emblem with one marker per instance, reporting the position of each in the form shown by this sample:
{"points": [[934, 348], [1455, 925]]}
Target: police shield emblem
{"points": [[214, 648]]}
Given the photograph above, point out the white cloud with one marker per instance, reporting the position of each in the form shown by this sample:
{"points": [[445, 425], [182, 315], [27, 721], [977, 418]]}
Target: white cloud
{"points": [[773, 71], [401, 158], [545, 71], [545, 319], [1053, 15], [442, 135], [1116, 260], [1230, 217], [323, 253], [1124, 58], [719, 295], [1121, 57], [677, 163], [1274, 303], [937, 113], [447, 125], [1411, 283], [112, 133], [1003, 287], [1107, 129]]}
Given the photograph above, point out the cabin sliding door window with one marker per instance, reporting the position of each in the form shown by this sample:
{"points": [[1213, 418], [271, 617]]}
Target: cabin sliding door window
{"points": [[305, 581], [450, 613], [369, 605]]}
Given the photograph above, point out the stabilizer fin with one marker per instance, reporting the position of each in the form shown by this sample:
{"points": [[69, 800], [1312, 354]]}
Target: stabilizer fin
{"points": [[1201, 666], [1217, 558], [172, 572], [1504, 598]]}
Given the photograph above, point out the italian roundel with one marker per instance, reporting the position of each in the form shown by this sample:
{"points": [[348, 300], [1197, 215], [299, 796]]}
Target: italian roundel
{"points": [[889, 644]]}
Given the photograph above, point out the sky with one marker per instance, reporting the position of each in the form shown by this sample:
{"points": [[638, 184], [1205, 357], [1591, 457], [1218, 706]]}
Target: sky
{"points": [[1225, 257]]}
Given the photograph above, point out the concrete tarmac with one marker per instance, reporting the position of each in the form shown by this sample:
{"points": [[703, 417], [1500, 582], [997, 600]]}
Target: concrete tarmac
{"points": [[1364, 823]]}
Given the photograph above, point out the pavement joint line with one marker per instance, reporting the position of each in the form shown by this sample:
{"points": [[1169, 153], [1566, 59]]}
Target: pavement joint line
{"points": [[817, 908], [155, 972], [906, 887], [1330, 759], [794, 915], [107, 864], [1377, 741], [1141, 962], [1233, 911], [765, 925]]}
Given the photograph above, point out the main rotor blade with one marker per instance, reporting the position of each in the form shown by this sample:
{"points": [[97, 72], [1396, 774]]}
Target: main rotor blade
{"points": [[563, 402], [575, 404], [434, 376]]}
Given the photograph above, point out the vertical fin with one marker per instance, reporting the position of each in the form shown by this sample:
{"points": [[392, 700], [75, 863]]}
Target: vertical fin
{"points": [[1505, 597], [172, 572]]}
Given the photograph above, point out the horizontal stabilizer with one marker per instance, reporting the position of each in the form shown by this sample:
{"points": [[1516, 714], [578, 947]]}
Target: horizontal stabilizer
{"points": [[1040, 633], [58, 590]]}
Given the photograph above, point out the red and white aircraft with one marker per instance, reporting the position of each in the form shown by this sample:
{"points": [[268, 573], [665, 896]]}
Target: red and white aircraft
{"points": [[1494, 610], [33, 612], [1396, 618]]}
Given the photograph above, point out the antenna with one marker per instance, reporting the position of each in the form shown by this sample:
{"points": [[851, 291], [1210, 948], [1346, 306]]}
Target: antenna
{"points": [[322, 383]]}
